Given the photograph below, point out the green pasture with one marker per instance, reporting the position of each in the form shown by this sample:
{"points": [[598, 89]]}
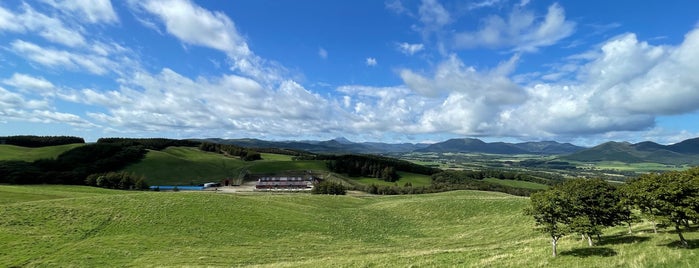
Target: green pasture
{"points": [[208, 229], [189, 165], [11, 152], [416, 180], [518, 184], [636, 167]]}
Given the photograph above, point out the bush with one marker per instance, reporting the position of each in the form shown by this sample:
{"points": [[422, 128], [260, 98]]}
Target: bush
{"points": [[328, 187]]}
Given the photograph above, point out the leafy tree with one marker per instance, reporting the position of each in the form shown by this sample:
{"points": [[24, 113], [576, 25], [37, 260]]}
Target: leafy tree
{"points": [[673, 197], [594, 205], [550, 211]]}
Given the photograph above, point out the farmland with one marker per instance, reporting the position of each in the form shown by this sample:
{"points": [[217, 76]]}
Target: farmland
{"points": [[81, 226]]}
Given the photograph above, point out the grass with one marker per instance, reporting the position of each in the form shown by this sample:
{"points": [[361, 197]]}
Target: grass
{"points": [[461, 228], [189, 165], [637, 167], [518, 184], [11, 152], [416, 180]]}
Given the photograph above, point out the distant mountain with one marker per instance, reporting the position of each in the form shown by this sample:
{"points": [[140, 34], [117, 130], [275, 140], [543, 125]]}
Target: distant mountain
{"points": [[337, 145], [470, 145], [685, 152]]}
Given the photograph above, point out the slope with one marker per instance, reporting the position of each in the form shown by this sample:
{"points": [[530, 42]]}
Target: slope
{"points": [[462, 228], [11, 152]]}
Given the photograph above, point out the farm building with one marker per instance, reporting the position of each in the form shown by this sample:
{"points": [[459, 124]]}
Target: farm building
{"points": [[285, 183]]}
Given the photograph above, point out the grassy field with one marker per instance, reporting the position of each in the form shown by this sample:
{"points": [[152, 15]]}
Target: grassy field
{"points": [[518, 184], [11, 152], [189, 165], [463, 228], [416, 180], [637, 167]]}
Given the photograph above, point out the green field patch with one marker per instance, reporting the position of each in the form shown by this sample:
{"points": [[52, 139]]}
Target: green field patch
{"points": [[11, 152], [453, 229], [275, 157], [15, 194], [417, 180], [635, 167], [185, 166], [518, 184]]}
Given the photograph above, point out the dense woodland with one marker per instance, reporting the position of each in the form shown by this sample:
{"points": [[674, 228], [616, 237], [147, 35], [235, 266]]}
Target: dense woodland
{"points": [[149, 143], [372, 166], [587, 206], [40, 141]]}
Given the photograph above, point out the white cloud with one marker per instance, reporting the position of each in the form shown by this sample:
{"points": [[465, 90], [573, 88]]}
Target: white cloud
{"points": [[410, 49], [62, 59], [93, 11], [371, 62], [520, 31], [433, 14], [29, 83], [322, 53], [193, 24], [50, 28]]}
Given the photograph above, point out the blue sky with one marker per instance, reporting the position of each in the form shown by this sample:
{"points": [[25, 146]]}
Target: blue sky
{"points": [[368, 70]]}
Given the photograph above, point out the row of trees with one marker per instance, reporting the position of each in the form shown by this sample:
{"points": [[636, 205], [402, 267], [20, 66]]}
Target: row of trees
{"points": [[150, 143], [227, 149], [40, 141], [373, 166], [117, 180], [587, 206]]}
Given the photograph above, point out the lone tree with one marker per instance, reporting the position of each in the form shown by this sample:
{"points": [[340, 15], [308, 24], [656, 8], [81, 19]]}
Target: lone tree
{"points": [[550, 211]]}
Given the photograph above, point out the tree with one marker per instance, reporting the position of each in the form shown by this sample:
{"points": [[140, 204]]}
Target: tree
{"points": [[550, 211], [594, 205], [673, 197]]}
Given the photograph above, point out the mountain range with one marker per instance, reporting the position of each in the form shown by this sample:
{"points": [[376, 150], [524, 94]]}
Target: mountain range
{"points": [[685, 152]]}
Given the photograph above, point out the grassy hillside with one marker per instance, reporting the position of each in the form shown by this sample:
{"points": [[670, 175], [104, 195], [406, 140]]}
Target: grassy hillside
{"points": [[518, 184], [187, 165], [462, 228], [11, 152]]}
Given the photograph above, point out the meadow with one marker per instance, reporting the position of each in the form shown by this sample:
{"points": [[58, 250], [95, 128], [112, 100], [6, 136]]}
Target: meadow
{"points": [[11, 152], [88, 227]]}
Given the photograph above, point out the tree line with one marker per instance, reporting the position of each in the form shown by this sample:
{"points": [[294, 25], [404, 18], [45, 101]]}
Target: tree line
{"points": [[588, 206], [383, 168], [232, 150], [157, 144], [40, 141], [117, 180], [72, 166]]}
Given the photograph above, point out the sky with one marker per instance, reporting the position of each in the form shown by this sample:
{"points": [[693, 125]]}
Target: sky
{"points": [[368, 70]]}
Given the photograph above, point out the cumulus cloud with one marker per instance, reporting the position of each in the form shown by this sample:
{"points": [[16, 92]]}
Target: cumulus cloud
{"points": [[195, 25], [169, 100], [520, 31], [371, 62], [410, 49]]}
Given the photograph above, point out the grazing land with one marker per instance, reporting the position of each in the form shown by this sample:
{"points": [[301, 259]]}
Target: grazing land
{"points": [[88, 227], [518, 184], [19, 153]]}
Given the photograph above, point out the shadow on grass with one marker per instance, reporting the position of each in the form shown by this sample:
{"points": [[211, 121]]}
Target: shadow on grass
{"points": [[590, 252], [691, 244], [623, 239]]}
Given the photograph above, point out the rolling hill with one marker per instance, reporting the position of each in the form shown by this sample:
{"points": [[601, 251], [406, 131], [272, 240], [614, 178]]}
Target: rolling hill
{"points": [[12, 152], [91, 227]]}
